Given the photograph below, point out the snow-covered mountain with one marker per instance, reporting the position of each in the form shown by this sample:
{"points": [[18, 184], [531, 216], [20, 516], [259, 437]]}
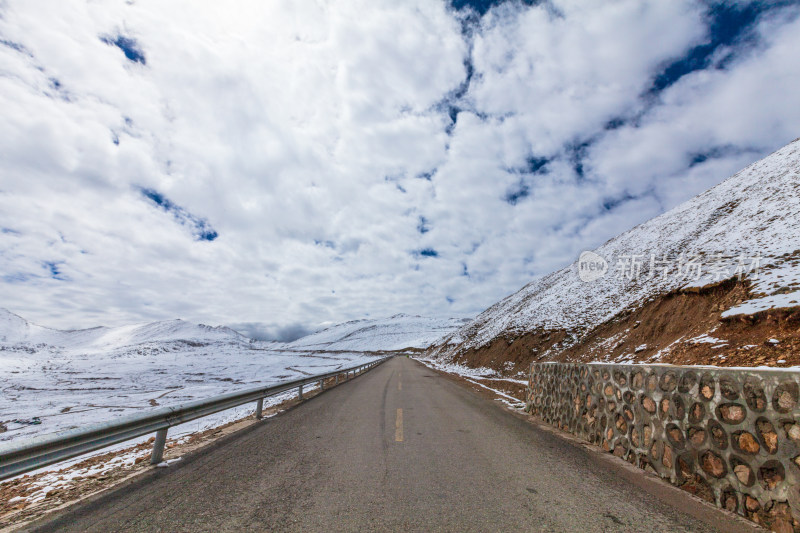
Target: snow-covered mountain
{"points": [[15, 330], [377, 335], [746, 230], [372, 335]]}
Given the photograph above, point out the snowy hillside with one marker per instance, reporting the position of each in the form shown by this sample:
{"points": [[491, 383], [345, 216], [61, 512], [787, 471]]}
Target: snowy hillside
{"points": [[388, 334], [750, 220], [15, 330]]}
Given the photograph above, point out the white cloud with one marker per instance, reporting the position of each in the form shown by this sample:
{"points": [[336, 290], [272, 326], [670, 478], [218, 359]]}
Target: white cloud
{"points": [[299, 130]]}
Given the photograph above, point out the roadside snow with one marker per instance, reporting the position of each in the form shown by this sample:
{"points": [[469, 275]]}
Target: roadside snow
{"points": [[471, 374]]}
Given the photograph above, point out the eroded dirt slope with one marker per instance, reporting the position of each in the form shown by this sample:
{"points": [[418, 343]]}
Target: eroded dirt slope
{"points": [[684, 327]]}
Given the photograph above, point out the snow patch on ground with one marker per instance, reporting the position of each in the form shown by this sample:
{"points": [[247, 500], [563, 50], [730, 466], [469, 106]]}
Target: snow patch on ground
{"points": [[705, 338], [758, 305], [74, 390]]}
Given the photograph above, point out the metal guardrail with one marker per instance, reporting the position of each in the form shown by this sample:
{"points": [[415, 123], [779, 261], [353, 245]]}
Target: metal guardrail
{"points": [[19, 458]]}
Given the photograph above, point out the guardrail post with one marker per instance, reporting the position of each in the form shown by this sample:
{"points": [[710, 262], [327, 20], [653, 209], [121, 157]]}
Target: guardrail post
{"points": [[300, 392], [158, 447], [259, 407], [322, 384]]}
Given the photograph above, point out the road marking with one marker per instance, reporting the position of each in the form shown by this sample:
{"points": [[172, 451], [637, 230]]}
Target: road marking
{"points": [[399, 385], [398, 426]]}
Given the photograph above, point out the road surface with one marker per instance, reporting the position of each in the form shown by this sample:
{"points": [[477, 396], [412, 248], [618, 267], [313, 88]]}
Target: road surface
{"points": [[400, 448]]}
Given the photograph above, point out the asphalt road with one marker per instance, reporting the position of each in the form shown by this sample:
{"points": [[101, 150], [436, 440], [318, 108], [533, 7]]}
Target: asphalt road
{"points": [[400, 448]]}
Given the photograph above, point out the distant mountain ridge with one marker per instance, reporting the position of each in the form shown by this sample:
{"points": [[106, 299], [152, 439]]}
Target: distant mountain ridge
{"points": [[17, 330], [397, 332], [369, 335]]}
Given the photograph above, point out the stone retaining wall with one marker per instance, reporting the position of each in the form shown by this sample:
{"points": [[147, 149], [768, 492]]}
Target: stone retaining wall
{"points": [[729, 436]]}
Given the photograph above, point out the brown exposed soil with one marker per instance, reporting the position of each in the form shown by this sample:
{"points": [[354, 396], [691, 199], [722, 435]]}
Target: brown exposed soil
{"points": [[666, 330], [520, 351]]}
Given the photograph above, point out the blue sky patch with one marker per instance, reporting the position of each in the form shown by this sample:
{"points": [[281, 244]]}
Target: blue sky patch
{"points": [[609, 204], [129, 47], [717, 152], [614, 123], [576, 153], [532, 165], [201, 228], [482, 6], [450, 104], [422, 225], [15, 46], [519, 192], [54, 270], [19, 277], [426, 252]]}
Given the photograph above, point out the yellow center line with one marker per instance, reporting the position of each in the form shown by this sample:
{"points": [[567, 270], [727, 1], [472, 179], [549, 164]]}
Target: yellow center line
{"points": [[398, 426]]}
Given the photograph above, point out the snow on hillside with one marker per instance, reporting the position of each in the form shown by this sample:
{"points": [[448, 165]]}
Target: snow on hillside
{"points": [[750, 220], [56, 380], [16, 330], [388, 334]]}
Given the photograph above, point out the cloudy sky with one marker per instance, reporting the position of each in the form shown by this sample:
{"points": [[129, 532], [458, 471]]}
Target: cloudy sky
{"points": [[282, 165]]}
